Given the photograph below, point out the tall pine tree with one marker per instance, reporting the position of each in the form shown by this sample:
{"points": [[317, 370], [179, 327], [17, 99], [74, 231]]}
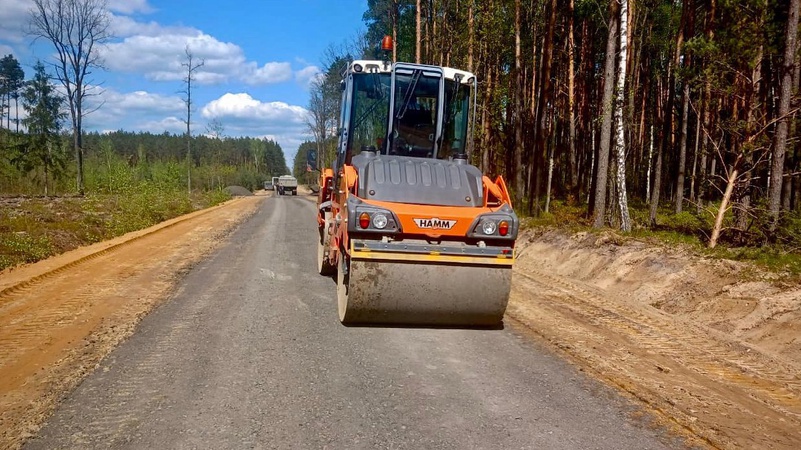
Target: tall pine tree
{"points": [[42, 150]]}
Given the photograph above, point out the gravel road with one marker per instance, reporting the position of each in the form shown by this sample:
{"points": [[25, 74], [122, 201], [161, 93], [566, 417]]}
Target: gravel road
{"points": [[249, 354]]}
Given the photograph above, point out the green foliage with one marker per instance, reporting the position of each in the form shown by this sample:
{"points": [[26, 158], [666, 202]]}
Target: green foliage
{"points": [[36, 228], [790, 231], [214, 197], [11, 83], [21, 247], [684, 222], [774, 258], [299, 169], [687, 229], [145, 206], [43, 149], [561, 214]]}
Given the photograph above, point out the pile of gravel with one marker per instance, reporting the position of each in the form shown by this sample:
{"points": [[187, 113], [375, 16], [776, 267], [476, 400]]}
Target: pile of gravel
{"points": [[238, 191]]}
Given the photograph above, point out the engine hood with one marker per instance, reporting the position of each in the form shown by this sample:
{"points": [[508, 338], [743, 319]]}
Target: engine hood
{"points": [[424, 181]]}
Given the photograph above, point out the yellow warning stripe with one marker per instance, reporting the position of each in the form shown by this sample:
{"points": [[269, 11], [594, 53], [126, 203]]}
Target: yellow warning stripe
{"points": [[431, 257]]}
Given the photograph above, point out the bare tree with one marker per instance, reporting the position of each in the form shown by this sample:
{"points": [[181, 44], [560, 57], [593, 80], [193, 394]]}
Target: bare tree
{"points": [[324, 102], [76, 28], [317, 119], [191, 67], [215, 128]]}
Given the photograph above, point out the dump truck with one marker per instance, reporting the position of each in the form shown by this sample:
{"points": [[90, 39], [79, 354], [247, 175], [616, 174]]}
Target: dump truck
{"points": [[286, 185], [414, 233]]}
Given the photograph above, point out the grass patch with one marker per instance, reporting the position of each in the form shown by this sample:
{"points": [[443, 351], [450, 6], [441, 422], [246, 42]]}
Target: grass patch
{"points": [[691, 230], [35, 228]]}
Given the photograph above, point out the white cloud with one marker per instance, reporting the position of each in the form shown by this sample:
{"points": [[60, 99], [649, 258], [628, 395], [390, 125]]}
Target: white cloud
{"points": [[130, 6], [124, 26], [142, 101], [271, 72], [240, 115], [307, 75], [170, 124], [161, 57], [14, 16], [243, 115], [157, 51], [160, 53], [137, 110], [6, 50], [244, 107]]}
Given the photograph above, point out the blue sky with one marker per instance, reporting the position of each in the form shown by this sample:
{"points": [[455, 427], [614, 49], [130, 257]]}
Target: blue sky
{"points": [[260, 57]]}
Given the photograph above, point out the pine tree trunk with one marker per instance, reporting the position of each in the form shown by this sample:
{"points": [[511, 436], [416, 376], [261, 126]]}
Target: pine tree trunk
{"points": [[790, 192], [539, 158], [750, 103], [695, 157], [471, 35], [599, 211], [418, 30], [656, 191], [394, 15], [780, 138], [685, 106], [518, 113], [550, 179], [571, 102], [686, 16], [650, 166], [709, 32]]}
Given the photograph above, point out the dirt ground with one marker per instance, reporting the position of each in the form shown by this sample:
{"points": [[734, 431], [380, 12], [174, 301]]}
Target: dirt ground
{"points": [[711, 347]]}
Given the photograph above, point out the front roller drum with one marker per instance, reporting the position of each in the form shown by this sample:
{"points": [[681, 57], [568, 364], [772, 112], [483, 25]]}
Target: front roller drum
{"points": [[417, 293]]}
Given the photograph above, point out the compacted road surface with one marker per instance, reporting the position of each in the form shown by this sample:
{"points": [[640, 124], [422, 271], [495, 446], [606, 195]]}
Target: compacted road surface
{"points": [[248, 353]]}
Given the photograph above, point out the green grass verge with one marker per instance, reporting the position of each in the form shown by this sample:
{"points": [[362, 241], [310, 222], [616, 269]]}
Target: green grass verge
{"points": [[35, 228], [691, 230]]}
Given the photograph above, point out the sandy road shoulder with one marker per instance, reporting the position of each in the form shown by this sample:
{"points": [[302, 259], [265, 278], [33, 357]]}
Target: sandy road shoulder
{"points": [[715, 388], [60, 317]]}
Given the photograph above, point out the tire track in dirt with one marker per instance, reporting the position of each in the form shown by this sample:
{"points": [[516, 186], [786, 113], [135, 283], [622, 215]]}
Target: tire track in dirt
{"points": [[728, 396], [56, 324]]}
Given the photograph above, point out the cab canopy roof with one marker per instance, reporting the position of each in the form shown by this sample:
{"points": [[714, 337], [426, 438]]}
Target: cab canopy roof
{"points": [[376, 66]]}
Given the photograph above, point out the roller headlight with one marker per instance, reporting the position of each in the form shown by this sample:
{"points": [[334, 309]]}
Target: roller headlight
{"points": [[380, 221], [488, 227], [496, 225], [374, 220]]}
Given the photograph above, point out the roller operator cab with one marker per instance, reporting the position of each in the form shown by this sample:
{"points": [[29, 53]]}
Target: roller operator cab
{"points": [[415, 234]]}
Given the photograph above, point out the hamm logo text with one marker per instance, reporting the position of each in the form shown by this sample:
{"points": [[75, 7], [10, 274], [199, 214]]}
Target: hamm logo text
{"points": [[435, 224]]}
